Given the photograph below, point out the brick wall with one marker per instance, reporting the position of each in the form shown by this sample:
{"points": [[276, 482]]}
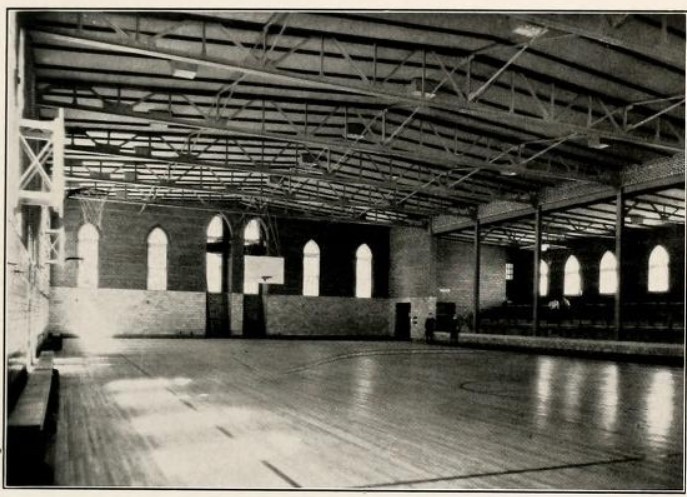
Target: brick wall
{"points": [[236, 316], [26, 246], [338, 244], [420, 308], [27, 291], [411, 272], [637, 247], [425, 270], [122, 298], [123, 247], [455, 273], [108, 311], [125, 228], [326, 316]]}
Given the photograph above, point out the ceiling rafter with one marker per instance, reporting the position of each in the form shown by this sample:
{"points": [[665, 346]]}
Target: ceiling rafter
{"points": [[398, 175], [441, 138], [224, 192], [264, 169], [432, 157], [383, 117], [439, 104], [599, 30]]}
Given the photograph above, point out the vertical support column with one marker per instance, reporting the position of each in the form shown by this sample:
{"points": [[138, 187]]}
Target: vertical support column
{"points": [[236, 303], [619, 229], [535, 270], [58, 163], [475, 290], [237, 261]]}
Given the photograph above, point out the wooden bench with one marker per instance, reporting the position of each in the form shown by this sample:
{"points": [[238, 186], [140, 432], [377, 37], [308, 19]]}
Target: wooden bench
{"points": [[30, 426]]}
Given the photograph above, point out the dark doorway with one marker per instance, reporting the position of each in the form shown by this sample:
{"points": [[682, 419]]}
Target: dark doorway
{"points": [[253, 316], [218, 315], [445, 312], [218, 277], [402, 329]]}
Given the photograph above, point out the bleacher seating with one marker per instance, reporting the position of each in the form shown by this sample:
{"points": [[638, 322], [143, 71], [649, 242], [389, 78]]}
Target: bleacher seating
{"points": [[642, 321], [30, 426]]}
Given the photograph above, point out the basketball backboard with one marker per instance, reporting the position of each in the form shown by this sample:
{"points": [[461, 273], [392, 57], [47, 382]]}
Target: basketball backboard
{"points": [[264, 269]]}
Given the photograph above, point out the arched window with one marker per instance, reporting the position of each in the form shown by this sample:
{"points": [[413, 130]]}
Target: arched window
{"points": [[215, 231], [608, 276], [214, 263], [659, 270], [87, 252], [543, 279], [311, 269], [572, 280], [157, 260], [251, 233], [363, 272], [252, 241]]}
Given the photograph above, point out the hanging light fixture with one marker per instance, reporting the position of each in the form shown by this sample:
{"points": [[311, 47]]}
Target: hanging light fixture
{"points": [[183, 70], [429, 90], [355, 131]]}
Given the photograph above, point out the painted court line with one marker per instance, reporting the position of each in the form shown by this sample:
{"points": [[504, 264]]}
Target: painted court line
{"points": [[188, 404], [283, 476], [224, 431], [502, 473]]}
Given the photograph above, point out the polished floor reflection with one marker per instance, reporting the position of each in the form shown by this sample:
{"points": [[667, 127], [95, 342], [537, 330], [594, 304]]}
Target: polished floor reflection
{"points": [[289, 414]]}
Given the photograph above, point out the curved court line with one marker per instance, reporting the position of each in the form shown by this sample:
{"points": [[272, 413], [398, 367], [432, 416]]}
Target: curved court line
{"points": [[381, 352], [464, 386]]}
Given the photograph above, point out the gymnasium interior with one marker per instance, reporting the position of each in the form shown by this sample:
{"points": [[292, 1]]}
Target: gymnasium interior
{"points": [[360, 250]]}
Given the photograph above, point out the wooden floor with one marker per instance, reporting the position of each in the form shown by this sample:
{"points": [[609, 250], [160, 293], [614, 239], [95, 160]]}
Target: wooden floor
{"points": [[325, 414]]}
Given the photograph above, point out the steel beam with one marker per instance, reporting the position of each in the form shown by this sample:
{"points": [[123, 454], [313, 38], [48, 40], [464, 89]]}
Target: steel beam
{"points": [[263, 168], [215, 207], [242, 193], [476, 276], [663, 52], [602, 195], [386, 95], [619, 232], [536, 269], [442, 160]]}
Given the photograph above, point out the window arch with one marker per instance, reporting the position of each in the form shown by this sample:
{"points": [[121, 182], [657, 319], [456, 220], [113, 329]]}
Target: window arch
{"points": [[88, 239], [253, 244], [251, 233], [215, 257], [311, 269], [363, 272], [543, 278], [572, 279], [215, 231], [608, 275], [659, 270], [157, 260]]}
